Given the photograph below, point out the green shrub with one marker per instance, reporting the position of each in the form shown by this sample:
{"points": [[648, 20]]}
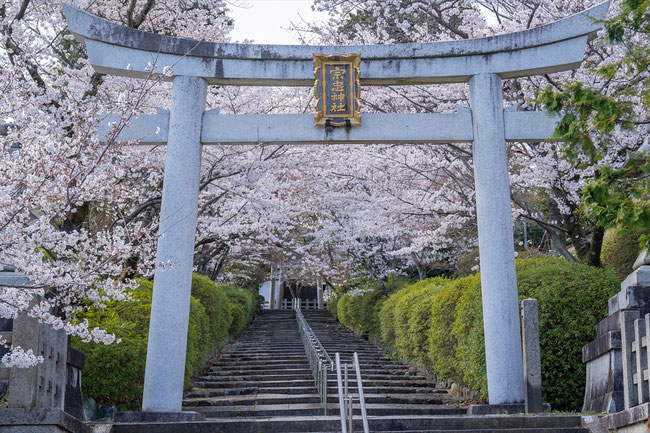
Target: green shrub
{"points": [[359, 310], [199, 343], [332, 306], [404, 311], [572, 300], [343, 309], [114, 374], [368, 313], [246, 299], [418, 324], [238, 318], [217, 306], [438, 323], [441, 350], [388, 312], [387, 319], [620, 252], [467, 331]]}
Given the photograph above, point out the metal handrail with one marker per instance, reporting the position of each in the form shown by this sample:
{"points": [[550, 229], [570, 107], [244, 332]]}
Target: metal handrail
{"points": [[319, 360], [346, 399]]}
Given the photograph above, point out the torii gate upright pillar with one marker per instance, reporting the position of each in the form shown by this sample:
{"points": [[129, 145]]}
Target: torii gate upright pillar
{"points": [[503, 357], [172, 286]]}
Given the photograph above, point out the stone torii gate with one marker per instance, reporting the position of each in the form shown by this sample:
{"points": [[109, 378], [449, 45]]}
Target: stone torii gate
{"points": [[483, 63]]}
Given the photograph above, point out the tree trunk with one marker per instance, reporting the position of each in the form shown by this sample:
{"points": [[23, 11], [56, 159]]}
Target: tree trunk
{"points": [[596, 247], [421, 273]]}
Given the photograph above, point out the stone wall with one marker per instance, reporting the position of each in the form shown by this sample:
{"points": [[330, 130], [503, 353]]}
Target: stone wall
{"points": [[48, 394]]}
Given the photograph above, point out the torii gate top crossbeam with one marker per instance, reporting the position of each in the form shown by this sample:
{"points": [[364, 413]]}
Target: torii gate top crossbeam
{"points": [[550, 48]]}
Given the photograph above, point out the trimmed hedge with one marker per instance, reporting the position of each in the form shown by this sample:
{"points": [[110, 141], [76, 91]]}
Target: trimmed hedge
{"points": [[361, 312], [438, 323], [218, 307], [332, 306], [114, 374]]}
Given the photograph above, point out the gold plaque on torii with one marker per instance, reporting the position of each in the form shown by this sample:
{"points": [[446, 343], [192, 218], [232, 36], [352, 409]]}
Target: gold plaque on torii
{"points": [[337, 89]]}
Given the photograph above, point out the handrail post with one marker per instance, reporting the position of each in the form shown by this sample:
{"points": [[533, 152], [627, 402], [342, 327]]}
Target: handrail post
{"points": [[362, 398], [348, 399], [344, 427], [323, 394]]}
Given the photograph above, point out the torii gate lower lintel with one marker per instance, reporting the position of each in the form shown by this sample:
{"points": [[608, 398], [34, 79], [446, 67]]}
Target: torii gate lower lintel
{"points": [[483, 63]]}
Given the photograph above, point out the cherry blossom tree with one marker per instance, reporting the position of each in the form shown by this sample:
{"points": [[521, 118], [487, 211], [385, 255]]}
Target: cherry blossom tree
{"points": [[78, 216], [539, 170]]}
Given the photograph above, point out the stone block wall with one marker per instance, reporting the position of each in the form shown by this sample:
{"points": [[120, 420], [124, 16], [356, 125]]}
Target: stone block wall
{"points": [[608, 360]]}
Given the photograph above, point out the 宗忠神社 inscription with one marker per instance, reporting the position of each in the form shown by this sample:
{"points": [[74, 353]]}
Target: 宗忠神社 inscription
{"points": [[337, 89]]}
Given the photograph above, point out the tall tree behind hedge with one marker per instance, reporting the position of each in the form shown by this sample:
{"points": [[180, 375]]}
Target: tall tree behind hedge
{"points": [[619, 195]]}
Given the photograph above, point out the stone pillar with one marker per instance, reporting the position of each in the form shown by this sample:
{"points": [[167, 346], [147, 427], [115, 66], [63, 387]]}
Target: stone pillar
{"points": [[630, 392], [319, 292], [163, 382], [532, 357], [272, 291], [503, 355], [279, 295]]}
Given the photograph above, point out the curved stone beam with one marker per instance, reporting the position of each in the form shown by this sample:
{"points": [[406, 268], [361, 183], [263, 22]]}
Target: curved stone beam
{"points": [[550, 48]]}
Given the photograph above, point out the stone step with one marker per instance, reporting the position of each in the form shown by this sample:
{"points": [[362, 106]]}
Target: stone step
{"points": [[276, 359], [275, 370], [201, 393], [260, 368], [304, 367], [304, 374], [301, 390], [334, 390], [263, 384], [251, 399], [255, 377], [224, 382], [315, 409], [387, 383], [401, 423], [265, 355], [283, 349], [261, 363], [382, 389]]}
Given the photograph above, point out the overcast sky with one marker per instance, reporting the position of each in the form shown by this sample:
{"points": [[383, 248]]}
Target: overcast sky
{"points": [[266, 21]]}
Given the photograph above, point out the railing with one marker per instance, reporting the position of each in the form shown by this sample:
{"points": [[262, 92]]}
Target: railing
{"points": [[303, 304], [346, 399], [319, 360]]}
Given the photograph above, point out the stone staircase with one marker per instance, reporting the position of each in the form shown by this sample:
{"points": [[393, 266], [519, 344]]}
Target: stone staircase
{"points": [[264, 373], [262, 384], [390, 387]]}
